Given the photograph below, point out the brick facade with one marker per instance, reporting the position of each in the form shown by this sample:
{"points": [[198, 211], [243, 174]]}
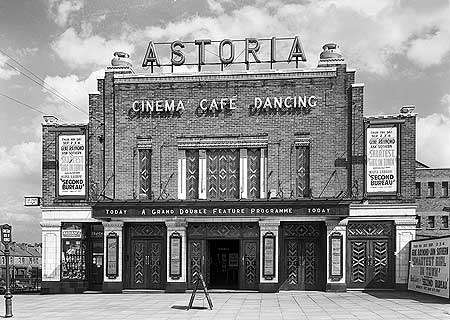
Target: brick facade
{"points": [[435, 207], [332, 132]]}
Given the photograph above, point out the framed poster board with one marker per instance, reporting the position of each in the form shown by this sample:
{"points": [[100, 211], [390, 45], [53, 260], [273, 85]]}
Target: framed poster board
{"points": [[336, 256], [112, 255], [269, 256], [175, 256], [71, 155], [382, 165], [429, 266]]}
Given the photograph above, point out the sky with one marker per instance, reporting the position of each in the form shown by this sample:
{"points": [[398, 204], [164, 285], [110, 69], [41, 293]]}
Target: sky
{"points": [[400, 49]]}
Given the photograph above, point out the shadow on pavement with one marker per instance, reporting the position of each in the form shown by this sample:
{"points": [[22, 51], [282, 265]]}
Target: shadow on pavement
{"points": [[417, 296], [186, 308]]}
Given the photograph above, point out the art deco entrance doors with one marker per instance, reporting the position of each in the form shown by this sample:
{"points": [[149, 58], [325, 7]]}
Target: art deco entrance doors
{"points": [[370, 249], [146, 258], [303, 267]]}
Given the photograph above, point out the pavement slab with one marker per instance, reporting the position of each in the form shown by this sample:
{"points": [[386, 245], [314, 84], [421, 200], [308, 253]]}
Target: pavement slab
{"points": [[311, 305]]}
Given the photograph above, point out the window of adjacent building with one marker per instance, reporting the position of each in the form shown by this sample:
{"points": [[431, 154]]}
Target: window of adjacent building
{"points": [[431, 223], [430, 189], [418, 225], [445, 188], [226, 173], [418, 186], [145, 156], [444, 221], [302, 172]]}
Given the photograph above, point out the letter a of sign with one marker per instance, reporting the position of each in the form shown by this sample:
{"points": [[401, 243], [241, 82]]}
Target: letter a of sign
{"points": [[151, 57], [297, 51]]}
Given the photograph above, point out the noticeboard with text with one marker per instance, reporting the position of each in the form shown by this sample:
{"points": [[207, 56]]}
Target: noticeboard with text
{"points": [[382, 157], [72, 165], [429, 266]]}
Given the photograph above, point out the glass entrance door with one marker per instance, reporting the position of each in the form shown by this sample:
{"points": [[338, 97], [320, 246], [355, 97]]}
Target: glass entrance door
{"points": [[224, 264]]}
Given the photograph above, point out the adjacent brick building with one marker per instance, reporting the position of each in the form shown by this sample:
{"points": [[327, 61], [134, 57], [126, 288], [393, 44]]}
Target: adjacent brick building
{"points": [[257, 180], [433, 201]]}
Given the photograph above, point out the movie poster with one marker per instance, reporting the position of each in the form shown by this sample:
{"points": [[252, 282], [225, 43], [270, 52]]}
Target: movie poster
{"points": [[72, 165], [381, 167], [429, 266]]}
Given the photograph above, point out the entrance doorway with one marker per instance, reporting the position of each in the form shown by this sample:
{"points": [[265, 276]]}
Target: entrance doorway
{"points": [[227, 254], [303, 262], [224, 264], [145, 256], [370, 252]]}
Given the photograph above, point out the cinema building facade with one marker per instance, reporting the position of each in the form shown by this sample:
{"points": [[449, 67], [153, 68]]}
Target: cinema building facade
{"points": [[259, 180]]}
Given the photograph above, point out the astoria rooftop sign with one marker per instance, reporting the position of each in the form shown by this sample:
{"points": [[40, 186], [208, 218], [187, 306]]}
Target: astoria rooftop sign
{"points": [[226, 52]]}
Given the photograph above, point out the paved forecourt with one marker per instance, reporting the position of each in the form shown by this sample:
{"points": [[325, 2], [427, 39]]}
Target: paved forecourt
{"points": [[284, 305]]}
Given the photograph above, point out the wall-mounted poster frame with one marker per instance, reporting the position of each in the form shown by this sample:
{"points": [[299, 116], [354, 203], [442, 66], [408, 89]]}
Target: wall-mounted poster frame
{"points": [[382, 166], [175, 249], [76, 179], [269, 253], [336, 256], [112, 255]]}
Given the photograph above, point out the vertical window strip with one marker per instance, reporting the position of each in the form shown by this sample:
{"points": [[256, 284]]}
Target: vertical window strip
{"points": [[263, 174], [182, 176], [192, 174], [254, 173], [223, 173], [144, 174], [243, 173], [202, 174], [302, 172]]}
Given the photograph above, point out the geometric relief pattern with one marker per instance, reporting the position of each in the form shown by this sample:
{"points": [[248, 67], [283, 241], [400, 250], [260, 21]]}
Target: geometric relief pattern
{"points": [[138, 262], [223, 230], [302, 172], [250, 262], [155, 262], [196, 259], [223, 173], [253, 173], [369, 229], [192, 173], [380, 261], [358, 261], [292, 261], [144, 174], [301, 230], [310, 259], [147, 230]]}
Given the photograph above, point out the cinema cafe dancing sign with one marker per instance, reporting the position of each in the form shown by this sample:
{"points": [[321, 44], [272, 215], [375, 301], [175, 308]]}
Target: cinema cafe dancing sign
{"points": [[252, 50]]}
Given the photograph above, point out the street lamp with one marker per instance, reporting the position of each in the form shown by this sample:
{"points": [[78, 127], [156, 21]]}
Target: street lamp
{"points": [[6, 240]]}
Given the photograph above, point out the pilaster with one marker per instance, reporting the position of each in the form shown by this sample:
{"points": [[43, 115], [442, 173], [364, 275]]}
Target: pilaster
{"points": [[405, 232], [113, 285], [51, 250], [267, 227], [176, 226], [336, 228]]}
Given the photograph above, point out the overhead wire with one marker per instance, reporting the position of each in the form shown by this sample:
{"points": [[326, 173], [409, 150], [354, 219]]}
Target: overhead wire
{"points": [[41, 82]]}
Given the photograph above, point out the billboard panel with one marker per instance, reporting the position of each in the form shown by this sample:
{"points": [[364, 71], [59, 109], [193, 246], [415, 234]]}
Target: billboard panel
{"points": [[429, 266]]}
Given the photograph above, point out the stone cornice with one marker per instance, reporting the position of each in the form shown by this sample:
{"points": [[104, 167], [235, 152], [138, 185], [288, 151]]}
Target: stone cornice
{"points": [[289, 74]]}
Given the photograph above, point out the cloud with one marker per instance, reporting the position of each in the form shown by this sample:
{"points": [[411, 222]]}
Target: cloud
{"points": [[432, 135], [21, 160], [85, 50], [76, 90], [371, 33], [61, 11], [5, 72]]}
